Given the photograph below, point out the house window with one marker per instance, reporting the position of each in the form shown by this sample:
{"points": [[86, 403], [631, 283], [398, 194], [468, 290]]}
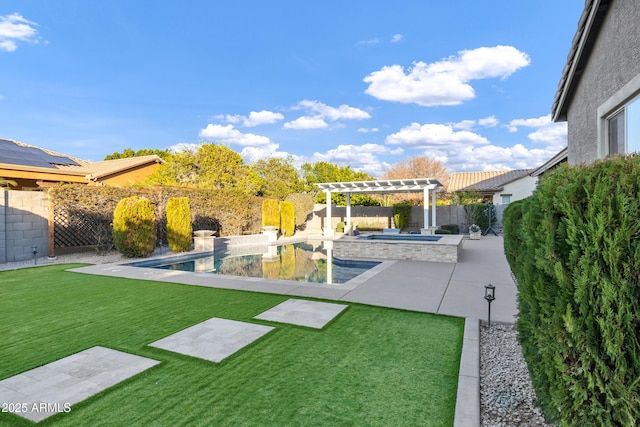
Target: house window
{"points": [[619, 121], [624, 129], [506, 199]]}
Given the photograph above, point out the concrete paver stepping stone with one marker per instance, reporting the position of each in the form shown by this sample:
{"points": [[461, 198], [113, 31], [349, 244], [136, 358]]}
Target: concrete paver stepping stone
{"points": [[300, 312], [41, 392], [214, 339]]}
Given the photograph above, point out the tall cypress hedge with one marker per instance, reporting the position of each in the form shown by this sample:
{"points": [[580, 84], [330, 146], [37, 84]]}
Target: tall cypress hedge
{"points": [[179, 228], [287, 219], [271, 213], [574, 247], [134, 227]]}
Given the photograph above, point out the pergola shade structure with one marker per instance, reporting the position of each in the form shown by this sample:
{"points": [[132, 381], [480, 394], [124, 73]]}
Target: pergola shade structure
{"points": [[384, 186]]}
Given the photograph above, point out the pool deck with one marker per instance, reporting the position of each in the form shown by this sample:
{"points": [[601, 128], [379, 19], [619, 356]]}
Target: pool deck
{"points": [[455, 289]]}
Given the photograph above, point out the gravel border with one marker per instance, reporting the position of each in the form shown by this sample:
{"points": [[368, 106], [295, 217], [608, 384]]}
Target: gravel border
{"points": [[507, 397]]}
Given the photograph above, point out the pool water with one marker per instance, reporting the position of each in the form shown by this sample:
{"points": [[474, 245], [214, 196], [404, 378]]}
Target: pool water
{"points": [[302, 262]]}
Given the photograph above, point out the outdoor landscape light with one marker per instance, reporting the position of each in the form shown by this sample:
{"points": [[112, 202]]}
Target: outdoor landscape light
{"points": [[489, 295], [34, 249]]}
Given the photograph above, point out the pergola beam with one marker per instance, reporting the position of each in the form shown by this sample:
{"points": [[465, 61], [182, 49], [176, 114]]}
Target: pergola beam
{"points": [[385, 186]]}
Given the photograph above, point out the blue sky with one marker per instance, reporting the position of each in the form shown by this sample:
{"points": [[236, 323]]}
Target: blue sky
{"points": [[360, 83]]}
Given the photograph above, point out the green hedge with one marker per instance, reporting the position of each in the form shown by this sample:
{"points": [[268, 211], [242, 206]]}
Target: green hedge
{"points": [[574, 247], [401, 215], [179, 229], [451, 228], [134, 227]]}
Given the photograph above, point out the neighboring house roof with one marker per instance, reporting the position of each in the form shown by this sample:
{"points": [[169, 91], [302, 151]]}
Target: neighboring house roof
{"points": [[18, 156], [561, 157], [486, 181], [97, 170], [581, 46]]}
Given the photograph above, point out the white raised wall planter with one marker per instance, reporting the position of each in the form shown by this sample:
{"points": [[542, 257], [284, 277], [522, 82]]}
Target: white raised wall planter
{"points": [[204, 240], [271, 232], [475, 235]]}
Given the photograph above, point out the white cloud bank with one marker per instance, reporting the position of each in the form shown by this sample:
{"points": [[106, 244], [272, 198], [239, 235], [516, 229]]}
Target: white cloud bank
{"points": [[255, 118], [445, 82], [319, 114], [15, 28], [227, 134]]}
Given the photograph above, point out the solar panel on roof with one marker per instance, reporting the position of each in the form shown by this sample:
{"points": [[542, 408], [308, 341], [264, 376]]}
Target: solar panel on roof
{"points": [[16, 154]]}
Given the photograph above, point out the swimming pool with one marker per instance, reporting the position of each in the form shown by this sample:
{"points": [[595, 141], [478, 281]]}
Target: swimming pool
{"points": [[301, 262]]}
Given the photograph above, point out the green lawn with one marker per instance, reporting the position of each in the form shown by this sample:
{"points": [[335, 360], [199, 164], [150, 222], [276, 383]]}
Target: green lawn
{"points": [[370, 366]]}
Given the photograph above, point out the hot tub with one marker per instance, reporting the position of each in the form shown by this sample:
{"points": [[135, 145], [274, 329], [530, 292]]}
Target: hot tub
{"points": [[414, 247]]}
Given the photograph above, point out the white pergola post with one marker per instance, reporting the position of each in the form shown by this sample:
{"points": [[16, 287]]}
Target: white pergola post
{"points": [[434, 224], [328, 229], [425, 226], [348, 226]]}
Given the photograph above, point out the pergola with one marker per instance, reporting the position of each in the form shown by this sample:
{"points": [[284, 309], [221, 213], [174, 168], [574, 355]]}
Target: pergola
{"points": [[384, 186]]}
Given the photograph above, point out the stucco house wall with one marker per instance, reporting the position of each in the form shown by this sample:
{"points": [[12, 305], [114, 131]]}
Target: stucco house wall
{"points": [[613, 62], [518, 189]]}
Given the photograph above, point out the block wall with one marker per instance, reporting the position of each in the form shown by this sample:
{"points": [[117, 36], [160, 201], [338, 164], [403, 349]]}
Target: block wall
{"points": [[23, 225]]}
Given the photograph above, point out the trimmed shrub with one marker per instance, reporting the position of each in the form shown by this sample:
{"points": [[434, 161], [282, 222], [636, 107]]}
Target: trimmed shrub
{"points": [[179, 230], [287, 219], [577, 263], [134, 227], [302, 207], [452, 228], [443, 231], [401, 215], [340, 227], [271, 213]]}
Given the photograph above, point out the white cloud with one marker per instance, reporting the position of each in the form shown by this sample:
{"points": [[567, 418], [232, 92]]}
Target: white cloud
{"points": [[368, 130], [305, 122], [445, 82], [183, 146], [370, 41], [320, 113], [252, 154], [487, 122], [546, 131], [433, 135], [396, 38], [255, 118], [493, 157], [362, 158], [229, 135], [14, 28], [343, 112]]}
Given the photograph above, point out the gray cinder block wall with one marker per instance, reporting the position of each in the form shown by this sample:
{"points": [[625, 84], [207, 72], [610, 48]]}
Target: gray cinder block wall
{"points": [[23, 224]]}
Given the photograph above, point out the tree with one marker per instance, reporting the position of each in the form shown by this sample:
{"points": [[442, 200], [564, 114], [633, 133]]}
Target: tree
{"points": [[209, 166], [418, 167], [129, 152], [328, 172], [277, 177]]}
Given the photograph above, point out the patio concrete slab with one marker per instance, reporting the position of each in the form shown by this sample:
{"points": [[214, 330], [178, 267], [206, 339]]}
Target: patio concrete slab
{"points": [[409, 285], [214, 339], [312, 314], [41, 392]]}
